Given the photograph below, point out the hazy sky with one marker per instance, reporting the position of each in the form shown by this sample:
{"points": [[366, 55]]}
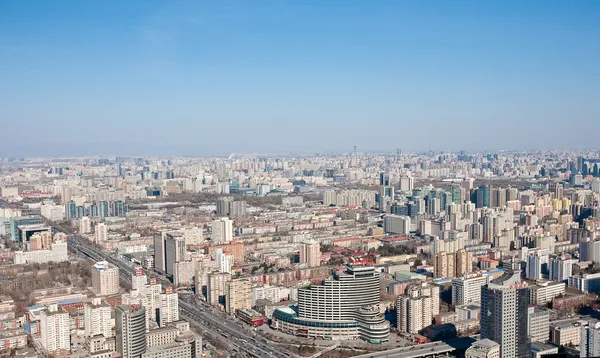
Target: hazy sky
{"points": [[203, 77]]}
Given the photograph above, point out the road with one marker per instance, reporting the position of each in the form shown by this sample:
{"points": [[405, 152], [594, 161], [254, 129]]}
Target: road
{"points": [[230, 333], [432, 349]]}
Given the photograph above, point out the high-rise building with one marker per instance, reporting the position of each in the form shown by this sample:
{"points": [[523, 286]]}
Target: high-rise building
{"points": [[85, 225], [222, 230], [184, 274], [589, 345], [310, 253], [589, 250], [169, 307], [238, 295], [55, 330], [504, 310], [537, 264], [130, 323], [538, 324], [406, 183], [463, 263], [224, 261], [484, 195], [443, 265], [418, 307], [105, 278], [168, 249], [223, 205], [344, 307], [216, 287], [101, 233], [237, 209], [139, 280], [396, 224], [467, 289], [97, 318], [561, 268]]}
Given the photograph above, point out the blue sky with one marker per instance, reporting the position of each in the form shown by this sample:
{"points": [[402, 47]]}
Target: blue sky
{"points": [[205, 77]]}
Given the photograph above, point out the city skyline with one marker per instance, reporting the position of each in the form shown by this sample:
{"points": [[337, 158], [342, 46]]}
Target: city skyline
{"points": [[203, 78]]}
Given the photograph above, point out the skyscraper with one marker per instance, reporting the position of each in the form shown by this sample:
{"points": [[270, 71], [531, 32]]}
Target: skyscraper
{"points": [[168, 249], [484, 194], [504, 310], [131, 330]]}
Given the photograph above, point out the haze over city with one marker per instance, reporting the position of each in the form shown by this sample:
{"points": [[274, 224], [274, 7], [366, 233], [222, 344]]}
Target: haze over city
{"points": [[295, 179], [214, 77]]}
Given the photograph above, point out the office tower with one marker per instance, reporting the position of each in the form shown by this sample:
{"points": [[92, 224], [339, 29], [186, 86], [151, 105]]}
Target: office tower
{"points": [[169, 307], [504, 309], [576, 179], [351, 298], [384, 179], [105, 279], [406, 183], [222, 230], [101, 233], [139, 280], [97, 318], [396, 224], [483, 348], [456, 194], [467, 289], [55, 330], [238, 295], [589, 345], [223, 206], [237, 209], [224, 261], [463, 263], [443, 265], [168, 249], [310, 253], [85, 225], [417, 308], [484, 194], [130, 323], [538, 324], [561, 268], [216, 287]]}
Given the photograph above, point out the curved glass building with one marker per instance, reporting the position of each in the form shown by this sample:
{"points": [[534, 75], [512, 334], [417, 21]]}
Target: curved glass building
{"points": [[344, 307]]}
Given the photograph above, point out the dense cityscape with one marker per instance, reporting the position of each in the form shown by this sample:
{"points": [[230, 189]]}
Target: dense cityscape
{"points": [[357, 254]]}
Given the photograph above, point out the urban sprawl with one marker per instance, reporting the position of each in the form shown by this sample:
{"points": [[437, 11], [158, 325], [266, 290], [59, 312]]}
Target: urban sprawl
{"points": [[350, 255]]}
